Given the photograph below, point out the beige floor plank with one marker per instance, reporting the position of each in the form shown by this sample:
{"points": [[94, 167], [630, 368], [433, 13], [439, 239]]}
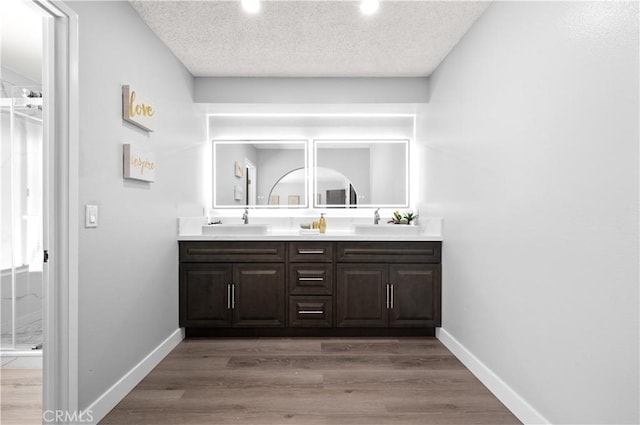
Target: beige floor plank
{"points": [[310, 381], [20, 396]]}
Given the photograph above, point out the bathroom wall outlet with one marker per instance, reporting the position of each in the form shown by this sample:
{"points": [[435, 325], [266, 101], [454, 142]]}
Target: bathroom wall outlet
{"points": [[90, 216]]}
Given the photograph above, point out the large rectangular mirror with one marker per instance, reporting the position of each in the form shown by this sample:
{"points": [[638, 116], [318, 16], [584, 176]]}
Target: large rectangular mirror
{"points": [[260, 174], [361, 173]]}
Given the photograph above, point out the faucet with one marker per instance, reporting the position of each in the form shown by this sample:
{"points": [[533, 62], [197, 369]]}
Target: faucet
{"points": [[376, 217], [245, 216]]}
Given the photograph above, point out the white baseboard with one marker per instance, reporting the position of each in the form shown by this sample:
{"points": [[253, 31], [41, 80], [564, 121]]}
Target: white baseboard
{"points": [[110, 398], [514, 402]]}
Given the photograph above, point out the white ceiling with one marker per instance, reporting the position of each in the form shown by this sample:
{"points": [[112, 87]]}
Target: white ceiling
{"points": [[310, 38]]}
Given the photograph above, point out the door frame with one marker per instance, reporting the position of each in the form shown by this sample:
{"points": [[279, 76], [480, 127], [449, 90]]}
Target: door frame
{"points": [[60, 211]]}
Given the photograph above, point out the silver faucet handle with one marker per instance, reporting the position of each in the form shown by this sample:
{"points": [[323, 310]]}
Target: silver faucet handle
{"points": [[245, 216]]}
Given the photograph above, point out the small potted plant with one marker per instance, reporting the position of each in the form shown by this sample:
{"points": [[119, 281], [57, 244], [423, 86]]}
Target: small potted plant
{"points": [[405, 218]]}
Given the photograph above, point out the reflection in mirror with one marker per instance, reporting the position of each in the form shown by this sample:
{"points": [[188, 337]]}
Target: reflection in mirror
{"points": [[334, 189], [361, 173], [246, 172], [294, 182]]}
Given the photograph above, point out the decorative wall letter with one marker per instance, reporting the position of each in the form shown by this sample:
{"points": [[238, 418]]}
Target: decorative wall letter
{"points": [[139, 164], [136, 110]]}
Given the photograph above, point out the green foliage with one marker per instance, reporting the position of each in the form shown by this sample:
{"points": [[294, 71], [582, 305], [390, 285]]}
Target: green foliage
{"points": [[405, 218]]}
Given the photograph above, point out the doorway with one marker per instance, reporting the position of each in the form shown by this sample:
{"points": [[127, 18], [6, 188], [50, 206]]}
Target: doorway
{"points": [[23, 274], [38, 201], [251, 189]]}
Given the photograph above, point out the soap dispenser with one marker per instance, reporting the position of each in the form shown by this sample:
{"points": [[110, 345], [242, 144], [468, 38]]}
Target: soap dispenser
{"points": [[322, 224]]}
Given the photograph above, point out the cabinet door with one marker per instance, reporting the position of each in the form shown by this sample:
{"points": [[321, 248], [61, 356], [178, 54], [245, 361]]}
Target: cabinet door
{"points": [[415, 295], [204, 295], [361, 295], [258, 295]]}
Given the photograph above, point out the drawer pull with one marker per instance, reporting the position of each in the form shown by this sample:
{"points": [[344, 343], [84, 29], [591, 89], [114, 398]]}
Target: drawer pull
{"points": [[316, 279], [233, 296], [310, 312], [311, 251]]}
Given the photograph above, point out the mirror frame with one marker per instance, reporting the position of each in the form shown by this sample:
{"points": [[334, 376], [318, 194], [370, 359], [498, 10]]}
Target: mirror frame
{"points": [[303, 142]]}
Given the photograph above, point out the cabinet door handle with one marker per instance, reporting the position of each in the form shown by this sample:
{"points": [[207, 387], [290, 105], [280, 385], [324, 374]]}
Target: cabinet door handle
{"points": [[311, 251], [391, 295], [387, 295], [310, 312], [233, 296], [319, 279], [228, 296]]}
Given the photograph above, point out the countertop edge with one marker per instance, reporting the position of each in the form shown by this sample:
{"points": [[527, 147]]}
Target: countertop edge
{"points": [[319, 238]]}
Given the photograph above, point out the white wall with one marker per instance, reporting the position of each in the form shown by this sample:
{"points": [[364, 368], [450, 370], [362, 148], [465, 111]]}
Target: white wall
{"points": [[128, 266], [532, 156]]}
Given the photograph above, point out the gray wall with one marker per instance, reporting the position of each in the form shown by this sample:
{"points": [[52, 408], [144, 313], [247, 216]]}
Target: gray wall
{"points": [[273, 164], [388, 170], [354, 164], [310, 90], [128, 269], [224, 170], [532, 157]]}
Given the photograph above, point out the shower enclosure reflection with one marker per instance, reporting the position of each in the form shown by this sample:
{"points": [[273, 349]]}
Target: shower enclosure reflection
{"points": [[21, 157]]}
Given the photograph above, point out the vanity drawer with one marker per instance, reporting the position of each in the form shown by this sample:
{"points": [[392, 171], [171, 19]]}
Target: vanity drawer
{"points": [[389, 252], [311, 252], [310, 312], [310, 278], [232, 252]]}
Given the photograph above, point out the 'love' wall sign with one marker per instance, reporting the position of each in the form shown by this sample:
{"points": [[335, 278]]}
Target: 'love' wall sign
{"points": [[136, 109]]}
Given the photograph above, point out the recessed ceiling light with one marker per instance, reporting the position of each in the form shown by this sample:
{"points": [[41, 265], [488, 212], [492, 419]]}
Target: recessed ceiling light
{"points": [[369, 7], [251, 6]]}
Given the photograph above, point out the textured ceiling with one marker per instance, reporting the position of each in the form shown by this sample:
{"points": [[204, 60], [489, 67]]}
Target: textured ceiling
{"points": [[310, 38]]}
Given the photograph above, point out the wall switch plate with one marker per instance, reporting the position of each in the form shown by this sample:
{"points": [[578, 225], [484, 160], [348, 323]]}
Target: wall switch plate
{"points": [[90, 216]]}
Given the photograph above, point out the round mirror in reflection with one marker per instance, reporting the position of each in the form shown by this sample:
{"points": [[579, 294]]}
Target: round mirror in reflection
{"points": [[290, 189], [334, 189]]}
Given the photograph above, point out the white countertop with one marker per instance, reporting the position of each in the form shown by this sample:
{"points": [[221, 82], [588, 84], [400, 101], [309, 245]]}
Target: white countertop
{"points": [[190, 229], [292, 236]]}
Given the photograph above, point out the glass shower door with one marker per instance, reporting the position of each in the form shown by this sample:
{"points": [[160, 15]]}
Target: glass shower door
{"points": [[21, 222]]}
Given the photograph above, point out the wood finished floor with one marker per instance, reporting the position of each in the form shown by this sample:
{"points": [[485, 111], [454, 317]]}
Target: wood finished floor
{"points": [[20, 396], [310, 381]]}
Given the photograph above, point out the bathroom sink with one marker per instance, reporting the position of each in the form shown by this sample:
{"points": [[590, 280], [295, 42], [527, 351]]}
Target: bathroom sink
{"points": [[386, 229], [234, 229]]}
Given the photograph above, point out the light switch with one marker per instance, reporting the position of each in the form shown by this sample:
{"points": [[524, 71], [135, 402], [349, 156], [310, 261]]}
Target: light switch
{"points": [[90, 216]]}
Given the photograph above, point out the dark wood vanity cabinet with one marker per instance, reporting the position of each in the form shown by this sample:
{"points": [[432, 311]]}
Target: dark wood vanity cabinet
{"points": [[388, 295], [204, 294], [388, 284], [221, 286], [311, 271], [310, 287]]}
